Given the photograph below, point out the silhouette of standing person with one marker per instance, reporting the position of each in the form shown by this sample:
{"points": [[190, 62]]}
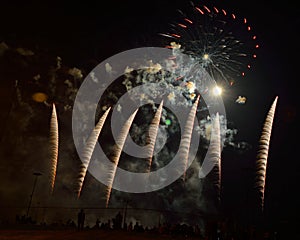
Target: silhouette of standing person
{"points": [[81, 218]]}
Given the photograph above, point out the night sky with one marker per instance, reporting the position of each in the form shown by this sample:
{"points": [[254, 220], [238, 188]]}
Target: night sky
{"points": [[84, 33]]}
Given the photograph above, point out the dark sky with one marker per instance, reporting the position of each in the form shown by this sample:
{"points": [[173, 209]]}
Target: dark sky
{"points": [[82, 31]]}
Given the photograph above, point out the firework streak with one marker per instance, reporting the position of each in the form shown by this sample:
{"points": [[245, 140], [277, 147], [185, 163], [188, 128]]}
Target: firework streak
{"points": [[215, 154], [153, 134], [117, 153], [186, 138], [262, 153], [53, 147], [87, 154]]}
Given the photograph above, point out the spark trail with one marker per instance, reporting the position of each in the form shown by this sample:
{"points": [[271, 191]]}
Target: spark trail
{"points": [[87, 154], [117, 153], [186, 138], [214, 155], [53, 147], [153, 134], [262, 153]]}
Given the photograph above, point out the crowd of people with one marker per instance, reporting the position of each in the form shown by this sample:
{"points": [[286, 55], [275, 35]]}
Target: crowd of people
{"points": [[213, 230]]}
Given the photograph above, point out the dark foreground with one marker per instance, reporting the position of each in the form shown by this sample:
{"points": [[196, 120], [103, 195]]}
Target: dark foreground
{"points": [[12, 234]]}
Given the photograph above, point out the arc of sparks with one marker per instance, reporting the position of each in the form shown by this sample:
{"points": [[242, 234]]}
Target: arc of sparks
{"points": [[263, 151], [88, 151], [186, 138], [153, 129], [53, 147], [214, 154], [117, 153]]}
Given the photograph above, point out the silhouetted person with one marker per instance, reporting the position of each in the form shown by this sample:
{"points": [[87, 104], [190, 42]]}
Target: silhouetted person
{"points": [[97, 225], [118, 221], [81, 218], [130, 227]]}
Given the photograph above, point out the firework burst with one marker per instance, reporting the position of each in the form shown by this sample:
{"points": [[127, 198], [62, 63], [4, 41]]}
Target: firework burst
{"points": [[221, 41]]}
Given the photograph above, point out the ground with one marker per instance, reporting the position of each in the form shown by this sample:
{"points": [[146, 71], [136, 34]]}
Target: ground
{"points": [[86, 234]]}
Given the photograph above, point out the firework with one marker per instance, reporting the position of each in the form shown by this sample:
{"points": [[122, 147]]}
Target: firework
{"points": [[215, 154], [262, 153], [53, 147], [221, 41], [153, 134], [87, 154], [186, 138], [117, 153]]}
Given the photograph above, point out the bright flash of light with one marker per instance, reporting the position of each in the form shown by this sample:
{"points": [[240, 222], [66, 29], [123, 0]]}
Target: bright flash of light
{"points": [[217, 91], [205, 57]]}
